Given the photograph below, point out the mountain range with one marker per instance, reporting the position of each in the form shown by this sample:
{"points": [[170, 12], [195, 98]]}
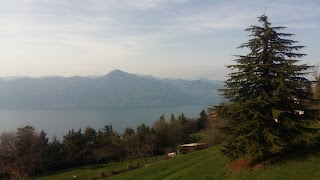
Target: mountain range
{"points": [[116, 89]]}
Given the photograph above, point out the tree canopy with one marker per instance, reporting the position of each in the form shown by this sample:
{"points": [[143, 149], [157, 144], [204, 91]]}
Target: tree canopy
{"points": [[269, 96]]}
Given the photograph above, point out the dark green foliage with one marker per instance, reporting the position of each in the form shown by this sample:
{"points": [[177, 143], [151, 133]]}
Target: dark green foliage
{"points": [[146, 141], [202, 120], [187, 127], [176, 131], [43, 147], [172, 118], [90, 138], [109, 144], [140, 144], [182, 118], [269, 96], [26, 152], [316, 88], [163, 141], [74, 145], [128, 132], [56, 154]]}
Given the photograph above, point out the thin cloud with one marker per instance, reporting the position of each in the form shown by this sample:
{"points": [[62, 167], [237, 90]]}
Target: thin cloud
{"points": [[235, 15], [302, 26], [100, 33], [145, 4]]}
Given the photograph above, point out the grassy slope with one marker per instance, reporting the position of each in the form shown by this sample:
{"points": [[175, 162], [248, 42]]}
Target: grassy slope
{"points": [[204, 164], [88, 172], [209, 164], [194, 165]]}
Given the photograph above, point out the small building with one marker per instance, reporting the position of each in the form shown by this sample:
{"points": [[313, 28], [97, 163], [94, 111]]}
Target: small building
{"points": [[194, 146], [212, 113]]}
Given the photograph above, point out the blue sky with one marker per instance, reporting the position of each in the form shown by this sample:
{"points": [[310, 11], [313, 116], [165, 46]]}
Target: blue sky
{"points": [[164, 38]]}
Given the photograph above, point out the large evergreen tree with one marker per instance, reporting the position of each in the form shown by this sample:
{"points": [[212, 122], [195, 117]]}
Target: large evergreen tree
{"points": [[316, 87], [202, 120], [269, 110]]}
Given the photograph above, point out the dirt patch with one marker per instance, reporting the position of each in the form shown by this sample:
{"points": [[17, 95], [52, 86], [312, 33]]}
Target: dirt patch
{"points": [[242, 164]]}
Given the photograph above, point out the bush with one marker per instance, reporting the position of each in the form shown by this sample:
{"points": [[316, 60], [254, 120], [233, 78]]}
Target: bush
{"points": [[213, 135]]}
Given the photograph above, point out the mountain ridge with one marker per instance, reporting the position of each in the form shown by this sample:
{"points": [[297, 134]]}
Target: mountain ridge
{"points": [[115, 89]]}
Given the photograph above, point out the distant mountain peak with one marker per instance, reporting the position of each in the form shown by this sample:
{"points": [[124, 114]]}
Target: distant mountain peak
{"points": [[117, 72], [116, 89]]}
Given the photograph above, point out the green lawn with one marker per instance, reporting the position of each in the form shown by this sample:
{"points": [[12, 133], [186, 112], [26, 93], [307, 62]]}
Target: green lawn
{"points": [[204, 164], [209, 164], [318, 125], [88, 172], [190, 165]]}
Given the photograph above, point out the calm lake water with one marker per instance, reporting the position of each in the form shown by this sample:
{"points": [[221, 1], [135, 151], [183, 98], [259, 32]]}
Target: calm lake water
{"points": [[58, 122]]}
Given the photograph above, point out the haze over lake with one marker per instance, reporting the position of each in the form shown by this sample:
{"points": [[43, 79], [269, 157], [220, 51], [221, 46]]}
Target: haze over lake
{"points": [[58, 122], [58, 104]]}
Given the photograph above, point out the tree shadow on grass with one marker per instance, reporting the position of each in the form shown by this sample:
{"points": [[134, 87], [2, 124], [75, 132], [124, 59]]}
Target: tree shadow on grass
{"points": [[301, 154]]}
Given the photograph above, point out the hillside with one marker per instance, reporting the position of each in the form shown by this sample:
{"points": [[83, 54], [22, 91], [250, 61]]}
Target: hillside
{"points": [[209, 164], [116, 89], [206, 164]]}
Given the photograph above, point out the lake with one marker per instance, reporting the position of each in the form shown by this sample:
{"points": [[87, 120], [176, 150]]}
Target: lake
{"points": [[58, 122]]}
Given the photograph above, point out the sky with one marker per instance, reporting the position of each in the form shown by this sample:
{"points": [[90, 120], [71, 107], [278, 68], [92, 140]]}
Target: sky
{"points": [[164, 38]]}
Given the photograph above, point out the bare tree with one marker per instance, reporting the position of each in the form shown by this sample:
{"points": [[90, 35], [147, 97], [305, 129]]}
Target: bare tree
{"points": [[7, 153], [20, 153]]}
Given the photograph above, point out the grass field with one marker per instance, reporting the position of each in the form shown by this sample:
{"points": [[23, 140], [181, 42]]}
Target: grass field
{"points": [[88, 172], [209, 164], [204, 164]]}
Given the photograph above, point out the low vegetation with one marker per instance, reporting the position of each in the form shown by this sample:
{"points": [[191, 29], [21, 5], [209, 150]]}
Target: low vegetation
{"points": [[204, 164], [26, 152], [92, 171]]}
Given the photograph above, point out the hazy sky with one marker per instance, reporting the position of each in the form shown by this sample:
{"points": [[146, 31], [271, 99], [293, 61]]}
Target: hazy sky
{"points": [[164, 38]]}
